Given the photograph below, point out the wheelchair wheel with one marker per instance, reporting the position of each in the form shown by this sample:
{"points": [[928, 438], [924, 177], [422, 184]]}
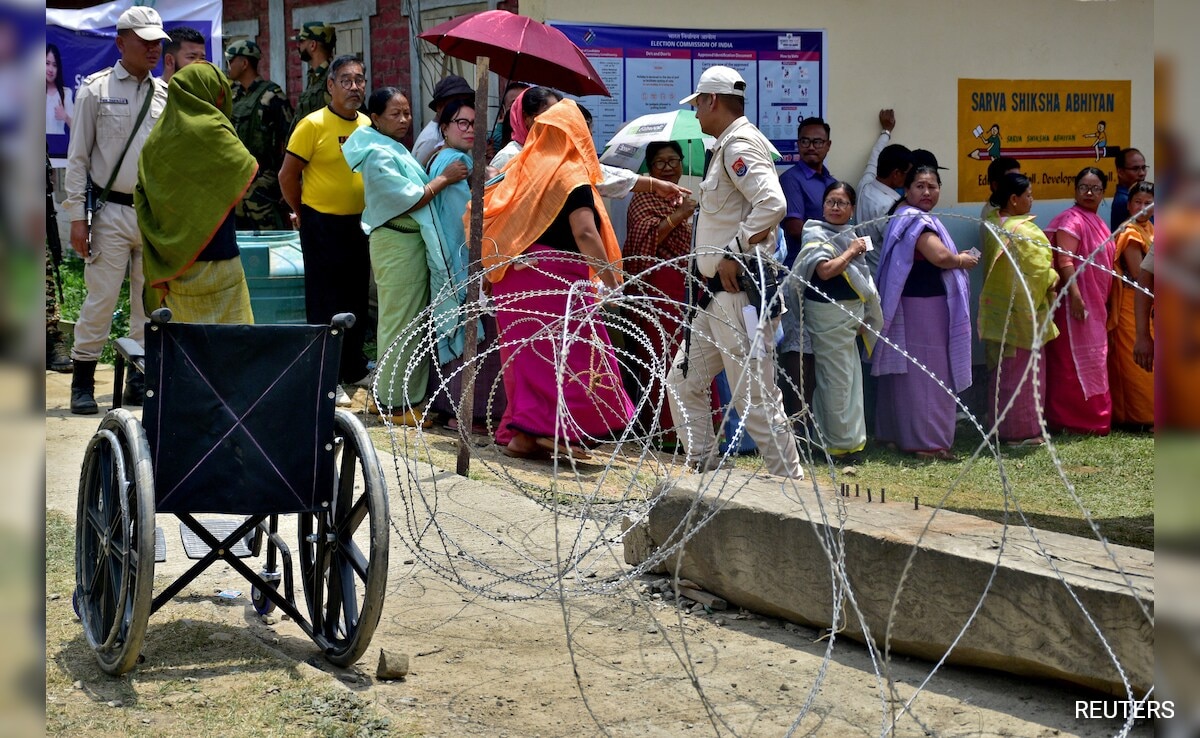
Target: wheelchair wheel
{"points": [[344, 549], [114, 542]]}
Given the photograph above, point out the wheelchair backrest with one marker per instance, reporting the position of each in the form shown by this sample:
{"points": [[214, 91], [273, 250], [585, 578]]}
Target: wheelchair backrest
{"points": [[240, 417]]}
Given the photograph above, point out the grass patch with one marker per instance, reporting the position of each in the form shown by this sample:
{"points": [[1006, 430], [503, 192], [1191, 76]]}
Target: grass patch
{"points": [[191, 683], [1112, 478]]}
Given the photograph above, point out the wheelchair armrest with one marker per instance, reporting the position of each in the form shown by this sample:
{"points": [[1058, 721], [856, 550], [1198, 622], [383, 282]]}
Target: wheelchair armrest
{"points": [[345, 321], [129, 350]]}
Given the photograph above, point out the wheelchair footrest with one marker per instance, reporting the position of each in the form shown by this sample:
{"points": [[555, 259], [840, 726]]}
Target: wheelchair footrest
{"points": [[160, 545], [220, 528]]}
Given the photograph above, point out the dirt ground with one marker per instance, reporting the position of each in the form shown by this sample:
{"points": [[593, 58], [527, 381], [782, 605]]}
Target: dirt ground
{"points": [[625, 662]]}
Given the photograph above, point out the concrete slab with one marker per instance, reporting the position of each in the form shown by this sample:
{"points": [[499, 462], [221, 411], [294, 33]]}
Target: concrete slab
{"points": [[922, 582]]}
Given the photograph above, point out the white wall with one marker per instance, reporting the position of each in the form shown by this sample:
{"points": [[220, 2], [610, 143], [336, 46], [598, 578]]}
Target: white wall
{"points": [[909, 56]]}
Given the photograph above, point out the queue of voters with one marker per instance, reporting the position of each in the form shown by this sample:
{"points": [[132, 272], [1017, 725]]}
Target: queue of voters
{"points": [[837, 305]]}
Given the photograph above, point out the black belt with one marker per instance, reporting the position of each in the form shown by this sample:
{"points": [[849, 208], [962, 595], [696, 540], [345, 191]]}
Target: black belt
{"points": [[120, 198]]}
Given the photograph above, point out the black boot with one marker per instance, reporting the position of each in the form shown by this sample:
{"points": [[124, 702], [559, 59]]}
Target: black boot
{"points": [[135, 388], [58, 358], [83, 389]]}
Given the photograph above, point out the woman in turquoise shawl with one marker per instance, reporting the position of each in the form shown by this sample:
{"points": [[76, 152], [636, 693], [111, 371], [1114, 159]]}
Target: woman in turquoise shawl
{"points": [[839, 302], [192, 171], [408, 256]]}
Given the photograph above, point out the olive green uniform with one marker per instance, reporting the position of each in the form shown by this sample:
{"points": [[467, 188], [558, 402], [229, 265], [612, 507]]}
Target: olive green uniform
{"points": [[262, 118]]}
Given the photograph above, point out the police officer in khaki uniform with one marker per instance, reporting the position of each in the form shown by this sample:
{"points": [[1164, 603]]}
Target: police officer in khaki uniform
{"points": [[107, 106], [316, 43], [262, 119], [741, 205]]}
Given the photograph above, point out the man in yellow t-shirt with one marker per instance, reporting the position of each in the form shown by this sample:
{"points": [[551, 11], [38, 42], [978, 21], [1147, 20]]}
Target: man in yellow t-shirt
{"points": [[327, 203]]}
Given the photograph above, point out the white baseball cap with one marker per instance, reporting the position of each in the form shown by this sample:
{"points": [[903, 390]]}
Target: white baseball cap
{"points": [[721, 80], [144, 21]]}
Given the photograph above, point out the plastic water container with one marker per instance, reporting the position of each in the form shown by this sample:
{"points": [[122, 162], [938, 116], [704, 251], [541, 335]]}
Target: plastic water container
{"points": [[274, 269]]}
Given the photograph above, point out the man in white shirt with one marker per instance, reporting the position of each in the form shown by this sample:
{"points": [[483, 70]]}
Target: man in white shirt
{"points": [[878, 190]]}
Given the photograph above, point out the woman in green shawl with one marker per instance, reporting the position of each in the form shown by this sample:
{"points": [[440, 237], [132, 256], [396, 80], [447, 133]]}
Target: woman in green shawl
{"points": [[407, 254], [1014, 307], [839, 302], [192, 171]]}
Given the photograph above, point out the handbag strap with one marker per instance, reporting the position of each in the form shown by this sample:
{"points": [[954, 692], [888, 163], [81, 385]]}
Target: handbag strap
{"points": [[138, 124]]}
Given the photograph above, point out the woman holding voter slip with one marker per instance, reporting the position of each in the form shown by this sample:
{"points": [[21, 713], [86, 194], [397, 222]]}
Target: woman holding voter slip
{"points": [[185, 202], [839, 302], [408, 256], [547, 241], [1014, 306], [923, 293]]}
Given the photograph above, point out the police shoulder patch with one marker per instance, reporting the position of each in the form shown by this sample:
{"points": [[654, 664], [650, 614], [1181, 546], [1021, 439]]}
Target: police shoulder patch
{"points": [[739, 167]]}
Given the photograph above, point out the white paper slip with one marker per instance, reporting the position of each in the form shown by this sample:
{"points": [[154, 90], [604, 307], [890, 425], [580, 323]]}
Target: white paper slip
{"points": [[867, 240], [750, 321]]}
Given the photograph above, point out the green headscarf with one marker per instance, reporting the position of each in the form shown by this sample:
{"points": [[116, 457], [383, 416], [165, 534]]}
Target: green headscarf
{"points": [[192, 171]]}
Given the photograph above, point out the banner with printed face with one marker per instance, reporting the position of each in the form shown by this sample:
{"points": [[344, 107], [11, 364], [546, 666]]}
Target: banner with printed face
{"points": [[81, 42], [1054, 128]]}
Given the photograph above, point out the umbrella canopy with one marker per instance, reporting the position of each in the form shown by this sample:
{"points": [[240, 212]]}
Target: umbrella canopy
{"points": [[519, 48], [628, 148]]}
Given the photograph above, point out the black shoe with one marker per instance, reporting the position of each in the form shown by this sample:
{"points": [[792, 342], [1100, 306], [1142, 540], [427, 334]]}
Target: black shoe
{"points": [[83, 389], [135, 389], [58, 359]]}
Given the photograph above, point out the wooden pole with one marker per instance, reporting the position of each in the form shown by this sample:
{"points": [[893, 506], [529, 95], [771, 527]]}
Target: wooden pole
{"points": [[466, 412]]}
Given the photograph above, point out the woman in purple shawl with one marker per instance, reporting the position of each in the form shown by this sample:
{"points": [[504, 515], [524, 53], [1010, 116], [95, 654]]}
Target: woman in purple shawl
{"points": [[923, 290]]}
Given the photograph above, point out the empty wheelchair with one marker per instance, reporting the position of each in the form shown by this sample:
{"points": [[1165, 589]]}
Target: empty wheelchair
{"points": [[238, 420]]}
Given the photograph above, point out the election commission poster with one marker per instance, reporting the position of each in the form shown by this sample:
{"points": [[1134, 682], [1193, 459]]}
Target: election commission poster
{"points": [[649, 70], [80, 42], [1053, 127]]}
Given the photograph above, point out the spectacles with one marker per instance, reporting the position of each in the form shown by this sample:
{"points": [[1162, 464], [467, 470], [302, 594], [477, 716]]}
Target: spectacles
{"points": [[1091, 189], [817, 142], [671, 163], [349, 83], [1142, 168], [464, 124], [841, 204]]}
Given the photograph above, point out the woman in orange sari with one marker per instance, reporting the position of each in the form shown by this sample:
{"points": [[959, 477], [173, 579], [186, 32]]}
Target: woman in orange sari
{"points": [[1132, 385], [547, 240]]}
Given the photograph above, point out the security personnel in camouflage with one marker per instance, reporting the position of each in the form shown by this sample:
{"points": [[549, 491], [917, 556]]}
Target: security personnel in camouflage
{"points": [[316, 42], [262, 118]]}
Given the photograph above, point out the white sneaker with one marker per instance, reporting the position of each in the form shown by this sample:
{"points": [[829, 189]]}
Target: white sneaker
{"points": [[341, 399]]}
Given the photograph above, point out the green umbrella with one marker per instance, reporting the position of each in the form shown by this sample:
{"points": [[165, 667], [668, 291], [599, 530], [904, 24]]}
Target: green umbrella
{"points": [[627, 149]]}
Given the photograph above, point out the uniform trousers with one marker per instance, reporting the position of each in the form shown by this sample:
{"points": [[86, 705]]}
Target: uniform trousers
{"points": [[116, 251], [719, 341]]}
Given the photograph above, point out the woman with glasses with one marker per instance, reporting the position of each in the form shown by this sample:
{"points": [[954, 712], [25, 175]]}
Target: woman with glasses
{"points": [[840, 302], [923, 293], [457, 126], [1132, 384], [1018, 290], [1078, 398], [406, 247], [657, 243]]}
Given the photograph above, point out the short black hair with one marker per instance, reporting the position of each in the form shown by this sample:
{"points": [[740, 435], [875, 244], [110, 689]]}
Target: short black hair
{"points": [[1092, 170], [342, 61], [654, 147], [379, 99], [736, 103], [1123, 156], [1007, 185], [180, 35], [894, 158], [812, 121], [844, 187], [1141, 188], [999, 166], [451, 110]]}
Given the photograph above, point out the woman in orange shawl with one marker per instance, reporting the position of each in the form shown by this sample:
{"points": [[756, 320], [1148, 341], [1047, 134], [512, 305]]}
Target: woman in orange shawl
{"points": [[1132, 386], [547, 239]]}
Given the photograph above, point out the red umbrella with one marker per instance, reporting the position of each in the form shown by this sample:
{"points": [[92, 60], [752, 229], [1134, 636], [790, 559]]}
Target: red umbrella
{"points": [[519, 48]]}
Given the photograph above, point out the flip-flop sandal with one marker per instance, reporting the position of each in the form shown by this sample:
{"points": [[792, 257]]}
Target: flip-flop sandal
{"points": [[1038, 441], [537, 454], [562, 449], [939, 455]]}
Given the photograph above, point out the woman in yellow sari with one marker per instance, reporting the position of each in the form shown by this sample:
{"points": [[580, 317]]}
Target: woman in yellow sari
{"points": [[1014, 309], [1132, 385]]}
